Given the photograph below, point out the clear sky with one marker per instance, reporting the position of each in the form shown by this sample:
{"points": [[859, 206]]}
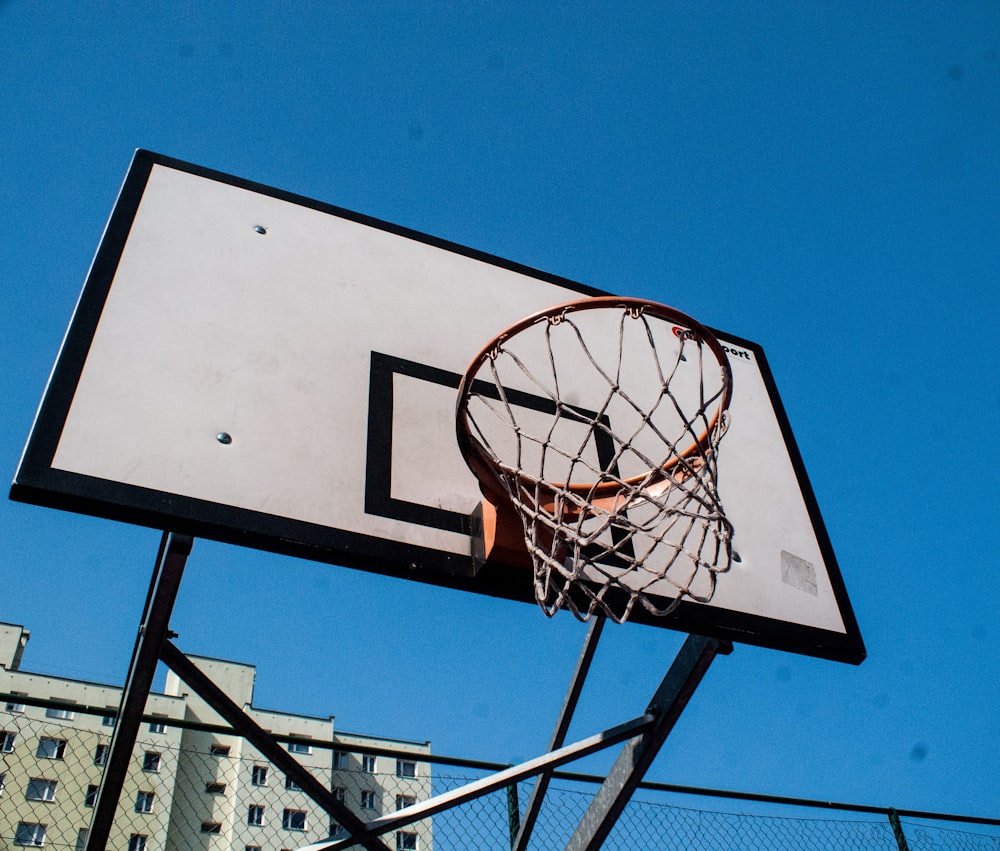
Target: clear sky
{"points": [[821, 178]]}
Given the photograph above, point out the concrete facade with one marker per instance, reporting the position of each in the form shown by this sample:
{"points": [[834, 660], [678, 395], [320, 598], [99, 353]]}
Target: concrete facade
{"points": [[189, 787]]}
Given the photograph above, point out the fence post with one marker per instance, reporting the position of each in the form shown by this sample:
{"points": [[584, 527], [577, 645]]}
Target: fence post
{"points": [[897, 830], [513, 814]]}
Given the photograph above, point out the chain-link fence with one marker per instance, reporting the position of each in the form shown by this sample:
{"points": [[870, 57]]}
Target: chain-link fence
{"points": [[658, 819], [188, 786], [195, 786]]}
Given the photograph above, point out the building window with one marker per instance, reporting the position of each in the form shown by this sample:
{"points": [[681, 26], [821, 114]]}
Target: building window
{"points": [[213, 788], [404, 801], [60, 714], [144, 802], [406, 841], [255, 815], [291, 785], [15, 707], [3, 782], [51, 748], [299, 747], [251, 848], [339, 759], [137, 842], [151, 762], [406, 768], [101, 754], [108, 721], [293, 819], [339, 793], [157, 727], [81, 838], [90, 799], [211, 827], [7, 739], [30, 833], [368, 799], [219, 750], [40, 790], [368, 763], [258, 775]]}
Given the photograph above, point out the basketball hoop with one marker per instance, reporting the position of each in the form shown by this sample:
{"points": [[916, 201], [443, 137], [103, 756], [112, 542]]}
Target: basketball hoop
{"points": [[594, 427]]}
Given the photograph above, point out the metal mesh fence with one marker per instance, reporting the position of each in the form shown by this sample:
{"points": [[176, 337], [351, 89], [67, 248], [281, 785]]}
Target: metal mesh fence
{"points": [[655, 820], [198, 787], [925, 837], [187, 787], [651, 823]]}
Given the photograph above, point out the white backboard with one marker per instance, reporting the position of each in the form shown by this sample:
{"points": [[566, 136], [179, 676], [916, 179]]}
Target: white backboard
{"points": [[260, 368]]}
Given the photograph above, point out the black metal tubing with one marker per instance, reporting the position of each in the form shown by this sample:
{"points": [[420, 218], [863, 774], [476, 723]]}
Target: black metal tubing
{"points": [[485, 765], [153, 631], [897, 831], [246, 727], [534, 807], [513, 814], [501, 780], [680, 682]]}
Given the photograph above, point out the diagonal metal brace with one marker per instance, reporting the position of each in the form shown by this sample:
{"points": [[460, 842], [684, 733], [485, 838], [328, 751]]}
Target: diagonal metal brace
{"points": [[527, 826], [265, 743], [153, 630], [686, 672], [502, 779]]}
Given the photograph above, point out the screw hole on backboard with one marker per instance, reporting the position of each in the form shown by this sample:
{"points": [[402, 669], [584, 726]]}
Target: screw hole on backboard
{"points": [[224, 437], [260, 229]]}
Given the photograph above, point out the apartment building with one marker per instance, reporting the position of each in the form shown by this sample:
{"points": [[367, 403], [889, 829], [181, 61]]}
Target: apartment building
{"points": [[192, 783]]}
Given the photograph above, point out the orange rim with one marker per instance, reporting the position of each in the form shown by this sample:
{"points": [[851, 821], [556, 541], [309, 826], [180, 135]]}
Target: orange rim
{"points": [[483, 466]]}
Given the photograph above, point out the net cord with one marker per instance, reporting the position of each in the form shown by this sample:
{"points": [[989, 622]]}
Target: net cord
{"points": [[589, 542]]}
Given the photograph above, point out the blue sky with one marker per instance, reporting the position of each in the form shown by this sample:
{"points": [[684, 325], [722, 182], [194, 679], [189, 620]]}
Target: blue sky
{"points": [[820, 178]]}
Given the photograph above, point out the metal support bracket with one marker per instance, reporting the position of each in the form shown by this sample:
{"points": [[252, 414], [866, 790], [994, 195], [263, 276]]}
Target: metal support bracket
{"points": [[246, 727], [686, 672], [495, 782], [153, 630], [534, 806], [153, 646], [643, 736]]}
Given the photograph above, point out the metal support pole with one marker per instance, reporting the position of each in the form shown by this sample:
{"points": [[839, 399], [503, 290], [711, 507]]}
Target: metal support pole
{"points": [[513, 813], [897, 831], [638, 754], [559, 734], [494, 783], [153, 630], [246, 727]]}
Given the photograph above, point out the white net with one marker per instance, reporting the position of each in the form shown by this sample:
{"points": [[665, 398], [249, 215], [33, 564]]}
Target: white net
{"points": [[600, 421]]}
